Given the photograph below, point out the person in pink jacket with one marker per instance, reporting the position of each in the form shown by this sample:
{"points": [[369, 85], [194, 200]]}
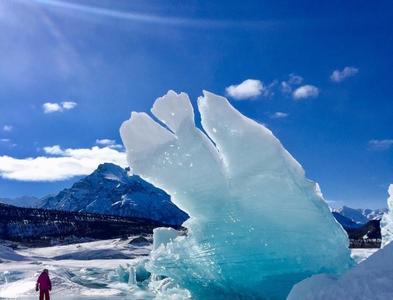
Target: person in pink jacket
{"points": [[44, 285]]}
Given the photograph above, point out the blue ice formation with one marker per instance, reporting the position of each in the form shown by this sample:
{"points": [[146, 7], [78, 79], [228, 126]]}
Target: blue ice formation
{"points": [[257, 224]]}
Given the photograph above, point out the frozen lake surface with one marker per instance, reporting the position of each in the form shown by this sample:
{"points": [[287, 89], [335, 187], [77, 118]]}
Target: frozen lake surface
{"points": [[77, 271]]}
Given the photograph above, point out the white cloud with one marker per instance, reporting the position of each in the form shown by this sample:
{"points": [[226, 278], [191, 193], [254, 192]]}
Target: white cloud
{"points": [[338, 76], [68, 163], [51, 107], [5, 140], [68, 105], [105, 142], [53, 150], [249, 88], [8, 128], [380, 144], [305, 91], [279, 115], [109, 143]]}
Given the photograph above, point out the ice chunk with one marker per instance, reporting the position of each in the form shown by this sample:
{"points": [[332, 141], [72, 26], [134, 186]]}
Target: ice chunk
{"points": [[257, 225], [387, 220]]}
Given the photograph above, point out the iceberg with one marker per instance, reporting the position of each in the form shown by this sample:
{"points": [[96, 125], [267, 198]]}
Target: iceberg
{"points": [[257, 225]]}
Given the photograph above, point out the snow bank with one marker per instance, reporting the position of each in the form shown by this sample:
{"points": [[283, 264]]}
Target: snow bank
{"points": [[257, 225], [371, 279]]}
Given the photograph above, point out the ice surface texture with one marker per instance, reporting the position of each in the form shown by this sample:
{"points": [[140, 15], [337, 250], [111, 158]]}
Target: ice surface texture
{"points": [[257, 224]]}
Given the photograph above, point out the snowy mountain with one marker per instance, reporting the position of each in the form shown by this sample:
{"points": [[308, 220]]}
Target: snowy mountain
{"points": [[361, 216], [345, 222], [110, 190], [373, 214], [24, 201], [361, 235]]}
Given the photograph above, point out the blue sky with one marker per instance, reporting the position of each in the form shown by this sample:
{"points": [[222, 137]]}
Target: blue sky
{"points": [[72, 71]]}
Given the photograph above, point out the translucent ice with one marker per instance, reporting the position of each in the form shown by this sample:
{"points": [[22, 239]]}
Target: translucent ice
{"points": [[257, 224]]}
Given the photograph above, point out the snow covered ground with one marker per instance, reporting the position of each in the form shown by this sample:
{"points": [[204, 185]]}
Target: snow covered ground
{"points": [[79, 271], [360, 255]]}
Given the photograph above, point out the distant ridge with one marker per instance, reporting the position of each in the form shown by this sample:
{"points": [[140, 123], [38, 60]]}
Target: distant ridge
{"points": [[41, 226], [23, 201]]}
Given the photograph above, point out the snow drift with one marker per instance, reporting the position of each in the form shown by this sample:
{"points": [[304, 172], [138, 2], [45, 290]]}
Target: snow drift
{"points": [[371, 279], [257, 225]]}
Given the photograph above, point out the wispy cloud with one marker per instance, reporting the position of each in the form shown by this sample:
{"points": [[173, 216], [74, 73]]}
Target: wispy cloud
{"points": [[51, 107], [54, 48], [305, 91], [279, 115], [380, 145], [7, 128], [152, 19], [338, 76], [59, 163], [248, 89], [7, 142], [294, 80]]}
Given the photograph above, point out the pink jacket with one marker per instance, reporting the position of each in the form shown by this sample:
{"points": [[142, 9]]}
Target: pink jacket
{"points": [[43, 282]]}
